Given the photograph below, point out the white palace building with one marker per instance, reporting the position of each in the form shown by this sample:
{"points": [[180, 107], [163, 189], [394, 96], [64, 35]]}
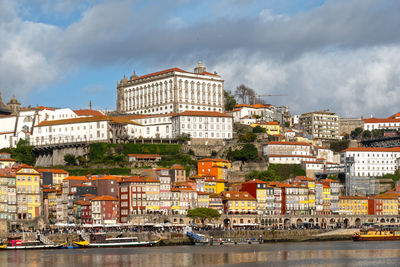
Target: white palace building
{"points": [[171, 91]]}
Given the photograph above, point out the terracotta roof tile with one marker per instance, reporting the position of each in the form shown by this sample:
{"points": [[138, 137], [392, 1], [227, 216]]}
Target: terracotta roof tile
{"points": [[86, 119], [213, 160], [236, 195], [108, 177], [376, 120], [76, 178], [105, 198], [53, 171], [88, 112], [159, 73], [177, 167]]}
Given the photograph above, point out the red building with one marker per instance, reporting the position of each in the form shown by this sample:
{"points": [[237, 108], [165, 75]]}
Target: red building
{"points": [[386, 204], [107, 186], [104, 210], [85, 211], [131, 194]]}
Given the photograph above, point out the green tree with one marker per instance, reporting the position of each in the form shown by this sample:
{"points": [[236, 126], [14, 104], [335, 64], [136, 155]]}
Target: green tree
{"points": [[203, 214], [247, 137], [395, 177], [6, 150], [346, 136], [356, 133], [377, 132], [247, 152], [337, 146], [120, 160], [183, 138], [24, 152], [70, 160], [366, 134], [214, 153], [230, 101], [277, 172], [81, 161], [259, 129]]}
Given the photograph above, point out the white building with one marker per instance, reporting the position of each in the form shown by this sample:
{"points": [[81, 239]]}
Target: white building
{"points": [[289, 159], [171, 90], [321, 125], [153, 126], [19, 125], [202, 125], [371, 161], [392, 122], [297, 152], [100, 129], [243, 112]]}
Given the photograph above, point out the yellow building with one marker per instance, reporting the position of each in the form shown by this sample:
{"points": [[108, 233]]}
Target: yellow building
{"points": [[175, 196], [203, 200], [3, 194], [326, 199], [303, 198], [311, 202], [353, 205], [28, 192], [213, 185], [310, 184], [57, 175], [260, 190], [215, 167], [152, 197], [271, 127], [236, 202], [387, 204], [6, 161]]}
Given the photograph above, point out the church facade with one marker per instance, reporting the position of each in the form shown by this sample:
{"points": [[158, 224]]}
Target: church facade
{"points": [[171, 91]]}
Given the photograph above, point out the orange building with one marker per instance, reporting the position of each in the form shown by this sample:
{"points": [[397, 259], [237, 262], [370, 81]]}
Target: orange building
{"points": [[218, 168]]}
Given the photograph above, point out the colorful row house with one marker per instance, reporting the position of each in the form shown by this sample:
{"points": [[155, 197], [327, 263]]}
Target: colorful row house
{"points": [[236, 202], [219, 168]]}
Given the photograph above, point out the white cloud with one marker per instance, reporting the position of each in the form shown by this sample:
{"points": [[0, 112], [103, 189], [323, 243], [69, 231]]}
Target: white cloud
{"points": [[342, 55], [349, 82], [267, 15], [24, 64]]}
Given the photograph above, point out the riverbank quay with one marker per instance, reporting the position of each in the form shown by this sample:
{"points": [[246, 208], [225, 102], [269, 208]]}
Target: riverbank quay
{"points": [[179, 238], [283, 235]]}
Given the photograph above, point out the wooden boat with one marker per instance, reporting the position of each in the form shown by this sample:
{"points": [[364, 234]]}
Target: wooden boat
{"points": [[377, 235], [99, 240], [17, 244]]}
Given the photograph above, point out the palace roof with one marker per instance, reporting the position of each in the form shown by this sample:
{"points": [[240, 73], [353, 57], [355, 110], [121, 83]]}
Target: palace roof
{"points": [[88, 112]]}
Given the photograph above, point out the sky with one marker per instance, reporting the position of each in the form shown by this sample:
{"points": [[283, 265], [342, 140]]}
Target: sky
{"points": [[341, 55]]}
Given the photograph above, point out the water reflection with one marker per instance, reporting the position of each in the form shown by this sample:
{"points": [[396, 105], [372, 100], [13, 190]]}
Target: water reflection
{"points": [[278, 254]]}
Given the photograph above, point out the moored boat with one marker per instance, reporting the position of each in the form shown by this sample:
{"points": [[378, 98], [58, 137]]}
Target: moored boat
{"points": [[17, 244], [377, 235], [99, 240]]}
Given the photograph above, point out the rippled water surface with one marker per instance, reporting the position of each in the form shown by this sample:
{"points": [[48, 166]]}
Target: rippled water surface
{"points": [[341, 253]]}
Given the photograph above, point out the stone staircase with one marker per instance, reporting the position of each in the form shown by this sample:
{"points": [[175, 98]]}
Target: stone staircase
{"points": [[45, 240], [85, 236]]}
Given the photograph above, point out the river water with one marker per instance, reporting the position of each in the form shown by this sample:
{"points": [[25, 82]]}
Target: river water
{"points": [[336, 253]]}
